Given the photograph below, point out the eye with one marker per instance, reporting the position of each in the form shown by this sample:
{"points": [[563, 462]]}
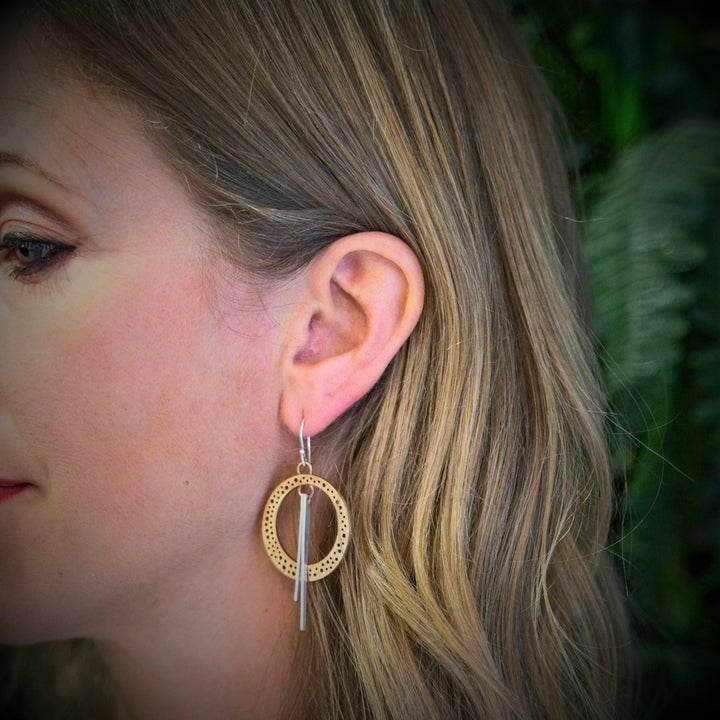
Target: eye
{"points": [[30, 255]]}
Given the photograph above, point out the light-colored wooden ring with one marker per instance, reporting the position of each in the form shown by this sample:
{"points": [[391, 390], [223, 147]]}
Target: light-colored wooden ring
{"points": [[280, 559]]}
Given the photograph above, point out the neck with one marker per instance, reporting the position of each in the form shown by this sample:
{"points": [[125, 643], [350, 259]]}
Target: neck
{"points": [[207, 652]]}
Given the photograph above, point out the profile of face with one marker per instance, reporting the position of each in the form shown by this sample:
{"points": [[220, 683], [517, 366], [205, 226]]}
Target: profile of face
{"points": [[138, 402], [150, 392]]}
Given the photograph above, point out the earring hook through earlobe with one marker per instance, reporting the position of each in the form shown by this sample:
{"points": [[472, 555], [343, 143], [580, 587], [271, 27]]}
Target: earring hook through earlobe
{"points": [[305, 447]]}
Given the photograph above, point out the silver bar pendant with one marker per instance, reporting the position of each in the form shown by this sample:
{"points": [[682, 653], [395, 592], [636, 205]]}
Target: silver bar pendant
{"points": [[302, 556], [304, 576]]}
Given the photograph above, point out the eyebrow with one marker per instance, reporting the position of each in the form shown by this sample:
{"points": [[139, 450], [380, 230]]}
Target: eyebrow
{"points": [[11, 158], [18, 160]]}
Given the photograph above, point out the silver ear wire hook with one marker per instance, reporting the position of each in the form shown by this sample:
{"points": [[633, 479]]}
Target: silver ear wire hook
{"points": [[305, 447]]}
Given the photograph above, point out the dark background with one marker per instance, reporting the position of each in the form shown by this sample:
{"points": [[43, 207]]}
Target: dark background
{"points": [[638, 83]]}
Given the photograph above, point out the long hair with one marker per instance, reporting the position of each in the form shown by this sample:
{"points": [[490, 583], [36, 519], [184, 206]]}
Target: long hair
{"points": [[476, 471]]}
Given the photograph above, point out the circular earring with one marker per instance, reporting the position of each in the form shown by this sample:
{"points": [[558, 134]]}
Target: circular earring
{"points": [[299, 569]]}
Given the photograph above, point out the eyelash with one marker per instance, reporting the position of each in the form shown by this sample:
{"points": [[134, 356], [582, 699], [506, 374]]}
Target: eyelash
{"points": [[53, 252]]}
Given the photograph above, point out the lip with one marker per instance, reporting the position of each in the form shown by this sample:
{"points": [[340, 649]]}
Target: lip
{"points": [[11, 488]]}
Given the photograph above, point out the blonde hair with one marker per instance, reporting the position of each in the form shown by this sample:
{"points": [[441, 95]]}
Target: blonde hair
{"points": [[476, 471]]}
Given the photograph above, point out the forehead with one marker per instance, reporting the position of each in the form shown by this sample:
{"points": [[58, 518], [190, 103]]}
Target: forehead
{"points": [[46, 99], [74, 143], [43, 99]]}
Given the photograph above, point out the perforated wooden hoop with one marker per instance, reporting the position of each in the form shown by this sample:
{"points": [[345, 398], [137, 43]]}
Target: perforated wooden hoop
{"points": [[280, 559]]}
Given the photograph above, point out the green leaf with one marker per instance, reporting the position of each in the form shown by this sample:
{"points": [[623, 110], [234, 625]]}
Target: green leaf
{"points": [[644, 237]]}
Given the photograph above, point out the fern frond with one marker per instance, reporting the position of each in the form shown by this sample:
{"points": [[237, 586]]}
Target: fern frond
{"points": [[644, 237]]}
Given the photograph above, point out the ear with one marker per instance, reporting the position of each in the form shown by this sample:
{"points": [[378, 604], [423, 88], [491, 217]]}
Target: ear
{"points": [[358, 302]]}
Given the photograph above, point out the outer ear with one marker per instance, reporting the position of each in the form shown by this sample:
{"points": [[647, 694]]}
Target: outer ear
{"points": [[358, 302]]}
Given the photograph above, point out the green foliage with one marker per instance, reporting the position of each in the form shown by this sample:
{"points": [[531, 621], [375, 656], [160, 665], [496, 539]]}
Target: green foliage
{"points": [[648, 241], [637, 82], [645, 237]]}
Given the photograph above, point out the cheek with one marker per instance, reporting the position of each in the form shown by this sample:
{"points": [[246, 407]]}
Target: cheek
{"points": [[134, 424], [102, 377]]}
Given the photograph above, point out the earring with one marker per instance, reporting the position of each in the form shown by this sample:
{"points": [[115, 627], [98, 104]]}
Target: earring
{"points": [[299, 569]]}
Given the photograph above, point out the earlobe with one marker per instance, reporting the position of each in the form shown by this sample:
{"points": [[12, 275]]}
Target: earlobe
{"points": [[362, 297]]}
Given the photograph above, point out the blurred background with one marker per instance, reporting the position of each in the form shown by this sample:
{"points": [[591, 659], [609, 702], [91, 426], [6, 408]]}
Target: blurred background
{"points": [[638, 83]]}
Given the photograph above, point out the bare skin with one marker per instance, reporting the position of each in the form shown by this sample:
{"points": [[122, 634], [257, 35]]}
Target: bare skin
{"points": [[150, 398], [140, 411]]}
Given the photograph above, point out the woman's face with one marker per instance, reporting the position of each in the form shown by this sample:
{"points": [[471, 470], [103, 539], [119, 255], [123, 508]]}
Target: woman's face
{"points": [[138, 398]]}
